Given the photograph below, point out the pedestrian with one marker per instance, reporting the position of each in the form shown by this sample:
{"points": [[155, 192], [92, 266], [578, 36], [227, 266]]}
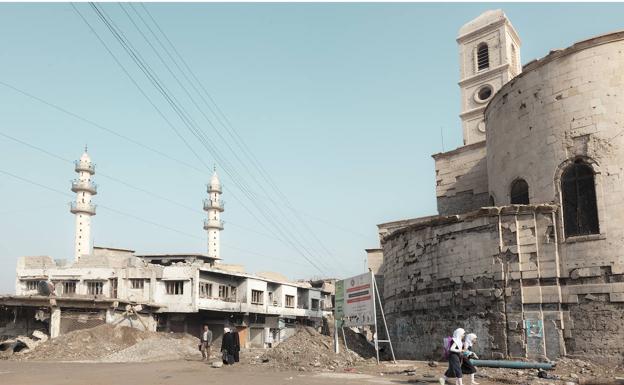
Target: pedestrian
{"points": [[236, 346], [455, 358], [205, 340], [467, 367], [228, 346]]}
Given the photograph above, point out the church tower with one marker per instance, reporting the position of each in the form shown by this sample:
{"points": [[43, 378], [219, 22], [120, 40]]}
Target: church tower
{"points": [[489, 57], [82, 207], [213, 224]]}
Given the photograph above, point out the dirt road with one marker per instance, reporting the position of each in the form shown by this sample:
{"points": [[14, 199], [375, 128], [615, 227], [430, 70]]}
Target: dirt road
{"points": [[168, 373]]}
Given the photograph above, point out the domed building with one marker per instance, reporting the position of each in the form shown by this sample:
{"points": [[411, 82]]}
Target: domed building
{"points": [[527, 249]]}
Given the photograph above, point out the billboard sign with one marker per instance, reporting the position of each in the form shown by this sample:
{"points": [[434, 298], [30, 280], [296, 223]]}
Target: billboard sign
{"points": [[355, 300]]}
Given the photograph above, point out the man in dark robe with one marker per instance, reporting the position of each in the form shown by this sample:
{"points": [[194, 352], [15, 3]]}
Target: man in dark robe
{"points": [[228, 346], [236, 346]]}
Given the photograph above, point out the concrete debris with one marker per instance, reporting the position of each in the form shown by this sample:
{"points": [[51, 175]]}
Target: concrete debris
{"points": [[107, 343], [307, 350], [217, 364]]}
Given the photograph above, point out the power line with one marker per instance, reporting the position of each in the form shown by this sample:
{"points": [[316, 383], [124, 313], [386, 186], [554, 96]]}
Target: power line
{"points": [[135, 217], [190, 124], [221, 118], [127, 184], [228, 127]]}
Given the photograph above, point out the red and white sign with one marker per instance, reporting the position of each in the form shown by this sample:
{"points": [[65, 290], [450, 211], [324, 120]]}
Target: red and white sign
{"points": [[359, 297]]}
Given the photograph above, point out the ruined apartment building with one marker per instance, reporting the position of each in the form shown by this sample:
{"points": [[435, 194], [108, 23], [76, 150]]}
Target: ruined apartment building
{"points": [[169, 292], [526, 251]]}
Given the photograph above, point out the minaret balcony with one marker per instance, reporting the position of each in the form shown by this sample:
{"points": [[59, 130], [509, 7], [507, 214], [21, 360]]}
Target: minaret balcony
{"points": [[82, 208], [212, 204], [81, 166], [83, 185], [210, 224], [214, 188]]}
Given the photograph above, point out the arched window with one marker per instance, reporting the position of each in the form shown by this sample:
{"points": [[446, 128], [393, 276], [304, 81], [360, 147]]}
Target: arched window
{"points": [[578, 193], [483, 57], [519, 192]]}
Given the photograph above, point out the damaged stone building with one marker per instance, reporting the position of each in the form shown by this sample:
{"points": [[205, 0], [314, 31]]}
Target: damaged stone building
{"points": [[527, 248], [168, 292]]}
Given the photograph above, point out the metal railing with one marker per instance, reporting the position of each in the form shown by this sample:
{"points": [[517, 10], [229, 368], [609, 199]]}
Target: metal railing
{"points": [[84, 166], [213, 224], [214, 204], [83, 185], [79, 207]]}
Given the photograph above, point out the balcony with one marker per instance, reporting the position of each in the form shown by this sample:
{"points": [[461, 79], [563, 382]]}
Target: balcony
{"points": [[85, 208], [212, 204], [213, 224], [214, 188], [83, 185], [81, 166]]}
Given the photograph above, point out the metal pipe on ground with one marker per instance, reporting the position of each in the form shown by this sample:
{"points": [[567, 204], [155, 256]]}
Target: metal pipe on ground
{"points": [[512, 364]]}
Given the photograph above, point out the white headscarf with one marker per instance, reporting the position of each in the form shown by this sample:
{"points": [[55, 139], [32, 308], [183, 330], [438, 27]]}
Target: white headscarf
{"points": [[470, 338], [458, 334], [226, 330]]}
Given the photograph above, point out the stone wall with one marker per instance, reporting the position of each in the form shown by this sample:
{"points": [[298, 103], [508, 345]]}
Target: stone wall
{"points": [[461, 179], [498, 272]]}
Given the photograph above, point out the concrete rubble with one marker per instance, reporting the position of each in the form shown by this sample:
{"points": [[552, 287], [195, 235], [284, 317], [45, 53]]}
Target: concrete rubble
{"points": [[106, 343]]}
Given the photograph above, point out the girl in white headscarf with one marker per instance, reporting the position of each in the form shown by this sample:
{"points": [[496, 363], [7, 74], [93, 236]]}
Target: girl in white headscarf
{"points": [[467, 367], [455, 358]]}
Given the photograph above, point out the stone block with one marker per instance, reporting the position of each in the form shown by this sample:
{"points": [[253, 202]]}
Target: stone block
{"points": [[531, 294], [616, 297]]}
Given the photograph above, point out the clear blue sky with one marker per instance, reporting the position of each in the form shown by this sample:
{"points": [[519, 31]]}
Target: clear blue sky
{"points": [[341, 103]]}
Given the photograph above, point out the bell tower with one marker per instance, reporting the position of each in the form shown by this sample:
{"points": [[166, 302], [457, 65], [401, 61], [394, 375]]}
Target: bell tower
{"points": [[489, 57]]}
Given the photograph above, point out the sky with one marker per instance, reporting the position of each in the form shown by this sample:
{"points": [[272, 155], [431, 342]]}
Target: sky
{"points": [[337, 107]]}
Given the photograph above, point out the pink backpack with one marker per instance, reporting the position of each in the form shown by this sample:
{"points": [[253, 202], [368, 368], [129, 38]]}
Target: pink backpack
{"points": [[446, 343]]}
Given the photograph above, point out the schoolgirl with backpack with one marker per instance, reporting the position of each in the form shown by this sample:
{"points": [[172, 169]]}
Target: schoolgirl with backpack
{"points": [[453, 352]]}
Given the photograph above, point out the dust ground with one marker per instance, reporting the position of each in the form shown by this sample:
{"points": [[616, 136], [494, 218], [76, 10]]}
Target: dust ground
{"points": [[170, 373], [183, 372]]}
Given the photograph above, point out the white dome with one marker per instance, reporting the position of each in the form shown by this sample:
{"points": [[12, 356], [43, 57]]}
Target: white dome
{"points": [[85, 157], [214, 180]]}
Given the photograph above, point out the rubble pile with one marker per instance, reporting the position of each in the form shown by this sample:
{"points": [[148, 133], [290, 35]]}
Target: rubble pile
{"points": [[107, 343], [307, 350]]}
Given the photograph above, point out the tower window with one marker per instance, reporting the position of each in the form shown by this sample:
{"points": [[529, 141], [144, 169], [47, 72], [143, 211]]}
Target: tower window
{"points": [[483, 57], [519, 192], [578, 193]]}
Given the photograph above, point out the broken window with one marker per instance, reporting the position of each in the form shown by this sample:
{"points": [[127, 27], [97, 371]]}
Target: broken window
{"points": [[175, 287], [257, 297], [69, 287], [290, 301], [95, 287], [578, 194], [32, 285], [205, 290], [483, 57], [519, 192], [315, 304]]}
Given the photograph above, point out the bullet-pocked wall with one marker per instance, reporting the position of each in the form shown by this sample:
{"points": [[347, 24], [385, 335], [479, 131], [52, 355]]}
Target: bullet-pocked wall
{"points": [[559, 126]]}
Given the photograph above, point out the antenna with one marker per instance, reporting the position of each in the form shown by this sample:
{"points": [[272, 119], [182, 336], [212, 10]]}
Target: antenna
{"points": [[442, 137]]}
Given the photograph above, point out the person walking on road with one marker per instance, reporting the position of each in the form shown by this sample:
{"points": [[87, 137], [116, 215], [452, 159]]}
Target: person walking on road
{"points": [[205, 340]]}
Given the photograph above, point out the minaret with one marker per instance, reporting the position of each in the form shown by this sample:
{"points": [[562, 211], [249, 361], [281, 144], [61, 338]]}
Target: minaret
{"points": [[213, 224], [82, 207]]}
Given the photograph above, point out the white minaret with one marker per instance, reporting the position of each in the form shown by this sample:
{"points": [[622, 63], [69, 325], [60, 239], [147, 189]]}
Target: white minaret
{"points": [[82, 207], [214, 207], [489, 57]]}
